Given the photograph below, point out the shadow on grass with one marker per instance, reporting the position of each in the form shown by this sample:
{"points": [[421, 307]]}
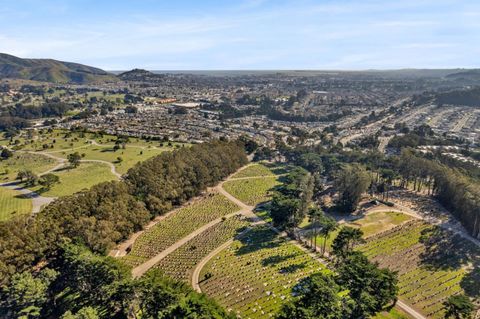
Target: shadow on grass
{"points": [[273, 260], [448, 252], [292, 268], [257, 239], [445, 251]]}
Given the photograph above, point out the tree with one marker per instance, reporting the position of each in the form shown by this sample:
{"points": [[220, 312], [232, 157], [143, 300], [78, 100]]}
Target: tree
{"points": [[327, 226], [371, 288], [84, 313], [352, 181], [346, 239], [28, 176], [319, 296], [74, 159], [458, 307], [25, 296], [314, 215], [6, 153], [283, 210], [48, 180]]}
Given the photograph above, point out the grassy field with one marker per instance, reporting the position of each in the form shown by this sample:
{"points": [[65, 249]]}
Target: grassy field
{"points": [[251, 191], [181, 263], [178, 225], [432, 264], [254, 276], [21, 161], [370, 224], [254, 170], [379, 221], [130, 155], [77, 179], [63, 140], [12, 205]]}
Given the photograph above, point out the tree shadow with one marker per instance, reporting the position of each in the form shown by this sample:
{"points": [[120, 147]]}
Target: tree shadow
{"points": [[257, 239], [444, 251], [470, 283], [272, 260], [292, 268]]}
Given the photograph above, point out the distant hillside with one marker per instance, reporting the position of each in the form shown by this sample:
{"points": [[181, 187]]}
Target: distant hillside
{"points": [[468, 97], [50, 71], [137, 75], [467, 75]]}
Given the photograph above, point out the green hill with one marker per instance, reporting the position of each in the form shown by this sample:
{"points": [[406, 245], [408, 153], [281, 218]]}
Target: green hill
{"points": [[49, 70]]}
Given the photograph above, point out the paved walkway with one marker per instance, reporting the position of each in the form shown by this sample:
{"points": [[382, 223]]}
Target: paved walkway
{"points": [[412, 312], [249, 212], [63, 162], [143, 268], [245, 210], [38, 201]]}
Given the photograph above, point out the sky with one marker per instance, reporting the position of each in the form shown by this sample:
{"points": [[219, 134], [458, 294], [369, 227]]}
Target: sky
{"points": [[245, 34]]}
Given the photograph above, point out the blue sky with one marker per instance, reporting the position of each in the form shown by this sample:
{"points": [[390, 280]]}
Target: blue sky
{"points": [[245, 34]]}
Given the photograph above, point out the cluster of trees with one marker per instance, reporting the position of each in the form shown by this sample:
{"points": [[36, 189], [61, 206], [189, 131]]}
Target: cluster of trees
{"points": [[174, 177], [45, 110], [109, 212], [12, 123], [456, 187], [292, 200], [79, 284], [352, 181], [357, 289], [469, 97]]}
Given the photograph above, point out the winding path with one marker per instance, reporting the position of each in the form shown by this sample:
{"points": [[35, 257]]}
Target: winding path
{"points": [[63, 161], [249, 212]]}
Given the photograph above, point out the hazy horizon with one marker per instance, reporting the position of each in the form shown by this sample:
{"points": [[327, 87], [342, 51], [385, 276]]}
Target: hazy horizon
{"points": [[246, 34]]}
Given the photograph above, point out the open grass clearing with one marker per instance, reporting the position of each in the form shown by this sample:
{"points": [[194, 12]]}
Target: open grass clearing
{"points": [[76, 179], [37, 163], [370, 224], [13, 204], [252, 191], [129, 156]]}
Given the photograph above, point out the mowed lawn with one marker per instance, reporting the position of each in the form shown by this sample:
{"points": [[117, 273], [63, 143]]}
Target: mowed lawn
{"points": [[130, 156], [77, 179], [11, 205], [37, 163]]}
